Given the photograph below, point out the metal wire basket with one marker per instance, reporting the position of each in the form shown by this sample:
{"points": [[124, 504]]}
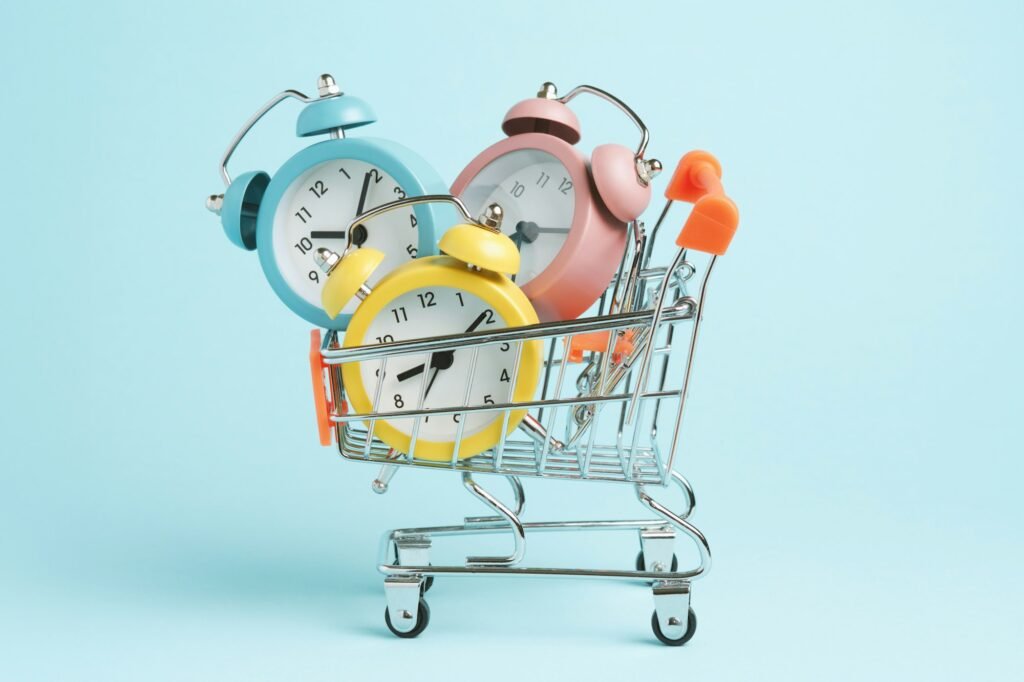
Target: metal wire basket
{"points": [[609, 408]]}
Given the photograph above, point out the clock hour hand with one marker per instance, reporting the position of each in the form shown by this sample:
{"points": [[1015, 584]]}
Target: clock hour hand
{"points": [[441, 360], [327, 234]]}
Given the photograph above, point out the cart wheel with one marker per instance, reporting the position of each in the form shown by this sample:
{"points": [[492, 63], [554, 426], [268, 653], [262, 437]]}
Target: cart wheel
{"points": [[640, 562], [691, 628], [422, 620]]}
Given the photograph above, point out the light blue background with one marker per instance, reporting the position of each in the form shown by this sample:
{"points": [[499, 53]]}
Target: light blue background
{"points": [[166, 513]]}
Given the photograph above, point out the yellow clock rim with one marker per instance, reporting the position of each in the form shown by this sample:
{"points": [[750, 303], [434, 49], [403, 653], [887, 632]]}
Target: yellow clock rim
{"points": [[444, 271]]}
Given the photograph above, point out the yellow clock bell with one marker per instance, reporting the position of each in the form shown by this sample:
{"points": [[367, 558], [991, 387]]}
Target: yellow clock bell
{"points": [[466, 290]]}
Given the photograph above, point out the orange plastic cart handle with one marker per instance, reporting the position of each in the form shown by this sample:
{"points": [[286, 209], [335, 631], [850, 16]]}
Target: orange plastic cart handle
{"points": [[316, 366], [715, 217], [597, 342]]}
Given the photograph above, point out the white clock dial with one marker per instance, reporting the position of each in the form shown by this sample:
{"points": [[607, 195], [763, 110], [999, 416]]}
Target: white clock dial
{"points": [[434, 311], [315, 211], [537, 195]]}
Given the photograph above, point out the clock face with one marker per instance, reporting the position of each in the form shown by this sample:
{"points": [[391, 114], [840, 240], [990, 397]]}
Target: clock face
{"points": [[537, 195], [315, 211], [434, 311]]}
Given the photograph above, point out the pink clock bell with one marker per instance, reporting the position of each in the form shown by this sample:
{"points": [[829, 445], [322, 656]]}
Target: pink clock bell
{"points": [[565, 213]]}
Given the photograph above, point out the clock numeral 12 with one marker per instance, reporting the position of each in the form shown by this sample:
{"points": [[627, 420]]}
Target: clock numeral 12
{"points": [[565, 185], [318, 189]]}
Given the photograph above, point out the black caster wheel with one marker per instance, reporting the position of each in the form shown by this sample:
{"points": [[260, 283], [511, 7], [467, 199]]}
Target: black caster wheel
{"points": [[422, 620], [691, 628], [640, 562]]}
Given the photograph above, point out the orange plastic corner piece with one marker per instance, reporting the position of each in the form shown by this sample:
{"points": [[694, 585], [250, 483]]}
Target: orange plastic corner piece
{"points": [[316, 367], [711, 225], [697, 174], [597, 342]]}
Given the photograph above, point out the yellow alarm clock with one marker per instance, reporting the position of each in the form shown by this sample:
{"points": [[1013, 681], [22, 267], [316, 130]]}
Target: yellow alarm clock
{"points": [[467, 290]]}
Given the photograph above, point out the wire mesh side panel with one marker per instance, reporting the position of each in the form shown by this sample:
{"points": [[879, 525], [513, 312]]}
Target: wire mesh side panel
{"points": [[576, 424]]}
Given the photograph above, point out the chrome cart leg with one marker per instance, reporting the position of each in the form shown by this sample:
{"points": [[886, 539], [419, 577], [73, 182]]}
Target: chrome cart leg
{"points": [[657, 550], [673, 621], [407, 614], [509, 516], [414, 550]]}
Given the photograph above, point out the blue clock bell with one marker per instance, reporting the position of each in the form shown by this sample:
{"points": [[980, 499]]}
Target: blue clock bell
{"points": [[309, 202]]}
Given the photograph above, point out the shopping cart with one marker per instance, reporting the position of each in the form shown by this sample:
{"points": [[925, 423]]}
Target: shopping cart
{"points": [[610, 408]]}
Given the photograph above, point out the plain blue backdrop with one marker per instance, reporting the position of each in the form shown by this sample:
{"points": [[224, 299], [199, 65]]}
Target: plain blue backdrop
{"points": [[854, 439]]}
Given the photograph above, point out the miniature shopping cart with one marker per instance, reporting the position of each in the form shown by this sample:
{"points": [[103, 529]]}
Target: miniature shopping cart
{"points": [[609, 408]]}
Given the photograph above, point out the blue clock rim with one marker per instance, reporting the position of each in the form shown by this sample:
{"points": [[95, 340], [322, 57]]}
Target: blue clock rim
{"points": [[408, 169]]}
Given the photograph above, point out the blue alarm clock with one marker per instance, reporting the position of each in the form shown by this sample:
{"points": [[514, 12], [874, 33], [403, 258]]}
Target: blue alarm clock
{"points": [[317, 192]]}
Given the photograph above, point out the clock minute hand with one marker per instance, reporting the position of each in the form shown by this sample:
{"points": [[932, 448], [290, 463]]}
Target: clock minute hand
{"points": [[362, 194]]}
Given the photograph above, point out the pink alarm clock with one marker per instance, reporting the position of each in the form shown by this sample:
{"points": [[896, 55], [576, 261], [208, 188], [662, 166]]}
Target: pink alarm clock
{"points": [[567, 215]]}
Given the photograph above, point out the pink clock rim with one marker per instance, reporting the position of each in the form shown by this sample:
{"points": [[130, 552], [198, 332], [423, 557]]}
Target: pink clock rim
{"points": [[593, 231]]}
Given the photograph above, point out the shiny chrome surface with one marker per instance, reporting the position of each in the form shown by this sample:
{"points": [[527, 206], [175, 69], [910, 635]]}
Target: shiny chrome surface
{"points": [[611, 417]]}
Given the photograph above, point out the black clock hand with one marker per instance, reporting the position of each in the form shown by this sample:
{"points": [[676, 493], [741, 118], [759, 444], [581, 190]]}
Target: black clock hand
{"points": [[431, 384], [476, 323], [441, 360], [327, 234], [362, 193]]}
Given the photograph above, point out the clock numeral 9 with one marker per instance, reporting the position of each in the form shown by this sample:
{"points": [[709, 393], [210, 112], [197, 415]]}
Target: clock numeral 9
{"points": [[318, 189], [302, 214], [314, 276], [304, 245]]}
